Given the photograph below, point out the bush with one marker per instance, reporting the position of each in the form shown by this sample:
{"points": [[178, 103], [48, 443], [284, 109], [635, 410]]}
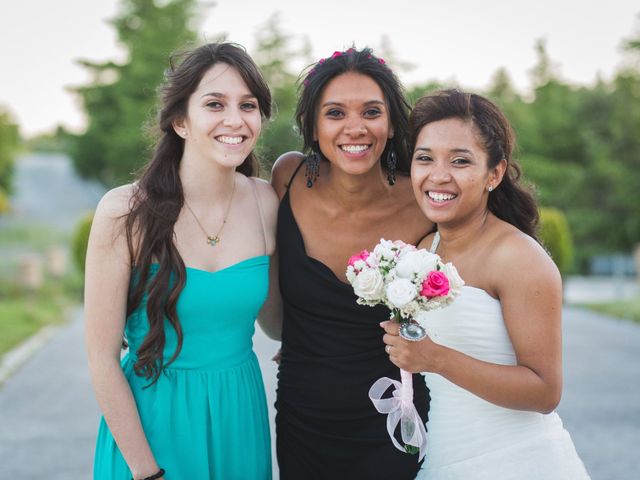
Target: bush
{"points": [[4, 201], [80, 241], [556, 237]]}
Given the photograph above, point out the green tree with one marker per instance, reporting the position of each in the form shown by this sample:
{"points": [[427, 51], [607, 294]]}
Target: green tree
{"points": [[556, 237], [80, 241], [579, 145], [9, 142], [59, 141], [624, 142], [120, 99], [415, 92], [274, 54]]}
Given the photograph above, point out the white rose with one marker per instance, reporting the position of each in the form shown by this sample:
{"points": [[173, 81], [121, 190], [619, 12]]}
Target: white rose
{"points": [[368, 284], [455, 281], [351, 274], [418, 262], [400, 292], [372, 261], [383, 253], [385, 250], [359, 265]]}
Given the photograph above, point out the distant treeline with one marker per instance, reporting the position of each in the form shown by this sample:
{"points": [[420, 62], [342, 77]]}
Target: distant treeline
{"points": [[579, 145]]}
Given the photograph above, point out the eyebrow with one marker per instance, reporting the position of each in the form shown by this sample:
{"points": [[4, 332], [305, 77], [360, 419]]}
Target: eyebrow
{"points": [[222, 95], [339, 104], [456, 150]]}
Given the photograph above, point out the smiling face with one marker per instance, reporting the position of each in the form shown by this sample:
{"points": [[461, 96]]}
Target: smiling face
{"points": [[450, 173], [223, 119], [352, 125]]}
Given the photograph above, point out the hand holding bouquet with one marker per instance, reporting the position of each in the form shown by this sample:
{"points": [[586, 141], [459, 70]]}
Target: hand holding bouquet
{"points": [[408, 281]]}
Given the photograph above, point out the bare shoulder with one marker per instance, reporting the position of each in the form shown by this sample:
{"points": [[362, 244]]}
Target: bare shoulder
{"points": [[116, 203], [283, 169], [107, 240], [520, 261], [267, 195], [427, 241], [404, 188]]}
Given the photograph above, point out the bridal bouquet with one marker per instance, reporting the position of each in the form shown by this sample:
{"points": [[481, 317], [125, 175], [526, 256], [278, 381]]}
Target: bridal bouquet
{"points": [[408, 281]]}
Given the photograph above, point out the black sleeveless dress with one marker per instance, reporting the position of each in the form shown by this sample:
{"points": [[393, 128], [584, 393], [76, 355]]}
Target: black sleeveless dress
{"points": [[332, 352]]}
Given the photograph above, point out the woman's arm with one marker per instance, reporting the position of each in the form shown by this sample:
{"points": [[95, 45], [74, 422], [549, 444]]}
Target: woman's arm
{"points": [[530, 291], [107, 274], [270, 315]]}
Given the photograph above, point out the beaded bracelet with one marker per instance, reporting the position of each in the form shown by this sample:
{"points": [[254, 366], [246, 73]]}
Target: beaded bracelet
{"points": [[155, 476]]}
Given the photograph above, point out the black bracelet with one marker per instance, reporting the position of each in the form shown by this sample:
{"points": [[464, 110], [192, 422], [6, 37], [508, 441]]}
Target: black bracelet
{"points": [[155, 476]]}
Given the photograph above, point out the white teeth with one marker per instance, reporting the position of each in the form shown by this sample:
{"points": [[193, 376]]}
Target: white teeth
{"points": [[441, 197], [354, 148], [230, 140]]}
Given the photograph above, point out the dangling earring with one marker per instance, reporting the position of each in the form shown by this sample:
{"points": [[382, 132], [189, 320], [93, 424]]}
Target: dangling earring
{"points": [[312, 165], [392, 163]]}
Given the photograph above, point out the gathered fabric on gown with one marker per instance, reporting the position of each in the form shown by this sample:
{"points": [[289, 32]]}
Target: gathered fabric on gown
{"points": [[332, 352], [470, 438], [206, 416]]}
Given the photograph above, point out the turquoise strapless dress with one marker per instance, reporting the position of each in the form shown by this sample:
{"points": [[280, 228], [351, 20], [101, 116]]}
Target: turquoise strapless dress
{"points": [[206, 416]]}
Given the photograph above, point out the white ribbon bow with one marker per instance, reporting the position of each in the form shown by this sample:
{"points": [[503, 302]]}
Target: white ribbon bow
{"points": [[400, 409]]}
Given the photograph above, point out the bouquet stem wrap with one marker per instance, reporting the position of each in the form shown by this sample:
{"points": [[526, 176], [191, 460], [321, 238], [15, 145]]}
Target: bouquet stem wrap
{"points": [[399, 408]]}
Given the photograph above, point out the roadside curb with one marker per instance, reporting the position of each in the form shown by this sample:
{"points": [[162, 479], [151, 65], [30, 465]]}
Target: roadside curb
{"points": [[11, 361]]}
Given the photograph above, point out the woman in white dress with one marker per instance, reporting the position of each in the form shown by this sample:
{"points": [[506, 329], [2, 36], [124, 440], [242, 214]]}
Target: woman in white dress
{"points": [[492, 359]]}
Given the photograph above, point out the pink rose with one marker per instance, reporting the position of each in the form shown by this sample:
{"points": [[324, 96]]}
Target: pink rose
{"points": [[435, 285], [363, 255]]}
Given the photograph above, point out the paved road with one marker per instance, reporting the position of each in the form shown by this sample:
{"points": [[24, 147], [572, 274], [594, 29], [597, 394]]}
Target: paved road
{"points": [[48, 192], [49, 416], [601, 402]]}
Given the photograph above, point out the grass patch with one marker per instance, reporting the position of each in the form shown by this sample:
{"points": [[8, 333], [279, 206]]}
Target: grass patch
{"points": [[19, 319], [23, 313], [36, 237], [629, 309]]}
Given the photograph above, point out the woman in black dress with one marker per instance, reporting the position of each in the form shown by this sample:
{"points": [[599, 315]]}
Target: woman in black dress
{"points": [[353, 190]]}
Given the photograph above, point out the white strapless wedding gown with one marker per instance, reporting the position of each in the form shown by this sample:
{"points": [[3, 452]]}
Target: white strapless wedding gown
{"points": [[469, 438]]}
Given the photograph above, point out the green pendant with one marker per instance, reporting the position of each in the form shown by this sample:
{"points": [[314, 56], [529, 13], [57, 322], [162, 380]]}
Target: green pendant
{"points": [[213, 240]]}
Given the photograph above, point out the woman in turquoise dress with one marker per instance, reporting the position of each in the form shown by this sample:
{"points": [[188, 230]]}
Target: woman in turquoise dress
{"points": [[178, 264]]}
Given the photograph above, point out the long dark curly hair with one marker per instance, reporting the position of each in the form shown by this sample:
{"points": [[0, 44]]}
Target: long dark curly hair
{"points": [[158, 198], [313, 82], [511, 201]]}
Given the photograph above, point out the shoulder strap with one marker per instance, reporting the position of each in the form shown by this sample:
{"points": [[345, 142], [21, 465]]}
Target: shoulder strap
{"points": [[295, 172], [436, 242], [264, 230]]}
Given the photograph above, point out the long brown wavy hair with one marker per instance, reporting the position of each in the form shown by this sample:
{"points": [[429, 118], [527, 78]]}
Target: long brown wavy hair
{"points": [[158, 198], [510, 201]]}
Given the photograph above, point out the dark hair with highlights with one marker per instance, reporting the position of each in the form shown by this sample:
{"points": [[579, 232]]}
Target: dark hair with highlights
{"points": [[158, 198], [510, 200], [366, 63]]}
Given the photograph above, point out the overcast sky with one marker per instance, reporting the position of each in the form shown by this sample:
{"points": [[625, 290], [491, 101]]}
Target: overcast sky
{"points": [[452, 40]]}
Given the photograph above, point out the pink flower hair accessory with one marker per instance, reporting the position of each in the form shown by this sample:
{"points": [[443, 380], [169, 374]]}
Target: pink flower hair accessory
{"points": [[334, 55]]}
